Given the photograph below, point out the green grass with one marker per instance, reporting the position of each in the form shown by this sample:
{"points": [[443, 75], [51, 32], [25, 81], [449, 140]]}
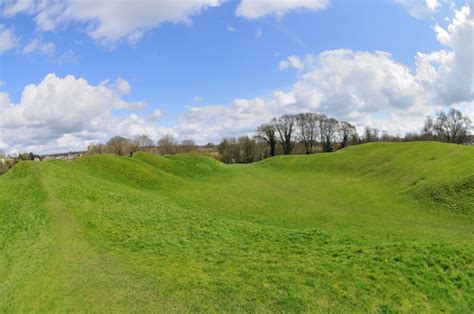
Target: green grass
{"points": [[376, 227]]}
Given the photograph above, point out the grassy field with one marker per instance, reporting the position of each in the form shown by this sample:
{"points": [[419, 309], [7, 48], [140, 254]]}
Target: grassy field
{"points": [[376, 227]]}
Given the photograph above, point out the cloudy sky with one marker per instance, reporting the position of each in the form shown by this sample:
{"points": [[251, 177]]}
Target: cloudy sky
{"points": [[75, 72]]}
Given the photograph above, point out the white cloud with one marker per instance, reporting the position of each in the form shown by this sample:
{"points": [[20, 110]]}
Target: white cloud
{"points": [[68, 114], [432, 4], [109, 21], [359, 87], [122, 87], [448, 74], [290, 62], [3, 145], [418, 8], [156, 115], [8, 39], [37, 45], [11, 8], [4, 100], [255, 9]]}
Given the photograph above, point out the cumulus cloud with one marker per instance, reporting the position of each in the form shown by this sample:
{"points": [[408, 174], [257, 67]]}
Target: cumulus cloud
{"points": [[67, 114], [255, 9], [360, 87], [8, 39], [109, 21], [448, 74]]}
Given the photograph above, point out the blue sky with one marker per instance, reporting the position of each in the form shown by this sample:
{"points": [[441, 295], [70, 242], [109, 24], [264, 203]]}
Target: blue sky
{"points": [[208, 71]]}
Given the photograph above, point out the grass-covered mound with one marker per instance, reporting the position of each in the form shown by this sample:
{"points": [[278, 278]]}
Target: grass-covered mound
{"points": [[376, 227]]}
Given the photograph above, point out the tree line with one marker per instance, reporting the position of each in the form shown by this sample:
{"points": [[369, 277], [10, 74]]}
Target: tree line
{"points": [[6, 162], [307, 133], [124, 146], [299, 133], [303, 133]]}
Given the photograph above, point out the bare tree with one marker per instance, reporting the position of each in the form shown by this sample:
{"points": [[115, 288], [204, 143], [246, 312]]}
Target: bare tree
{"points": [[285, 126], [308, 129], [267, 133], [346, 132], [142, 141], [118, 145], [188, 146], [452, 127], [371, 134], [428, 131], [94, 149], [228, 150], [167, 144], [327, 132], [248, 149], [412, 136]]}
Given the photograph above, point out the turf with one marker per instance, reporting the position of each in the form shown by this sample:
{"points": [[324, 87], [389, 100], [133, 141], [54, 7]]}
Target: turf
{"points": [[385, 227]]}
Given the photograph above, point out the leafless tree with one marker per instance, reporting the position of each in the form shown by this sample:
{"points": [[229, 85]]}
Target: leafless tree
{"points": [[412, 136], [327, 132], [248, 149], [188, 146], [307, 124], [228, 150], [371, 134], [242, 150], [142, 141], [94, 149], [118, 145], [167, 144], [428, 131], [346, 132], [267, 133], [285, 126], [452, 127]]}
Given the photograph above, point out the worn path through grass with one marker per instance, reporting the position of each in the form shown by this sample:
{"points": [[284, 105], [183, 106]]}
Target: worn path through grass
{"points": [[383, 227]]}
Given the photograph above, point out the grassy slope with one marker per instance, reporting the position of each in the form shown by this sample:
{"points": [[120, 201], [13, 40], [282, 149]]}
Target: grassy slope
{"points": [[372, 227]]}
